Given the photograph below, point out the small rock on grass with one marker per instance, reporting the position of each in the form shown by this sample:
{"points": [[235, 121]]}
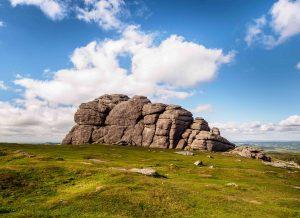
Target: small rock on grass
{"points": [[97, 160], [144, 171], [232, 184], [199, 163], [211, 167], [98, 188], [86, 163], [61, 201], [24, 153], [186, 153], [209, 156], [283, 164]]}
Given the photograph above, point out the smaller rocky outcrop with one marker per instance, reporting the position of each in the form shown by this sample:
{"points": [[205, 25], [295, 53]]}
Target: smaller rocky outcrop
{"points": [[283, 164], [250, 152]]}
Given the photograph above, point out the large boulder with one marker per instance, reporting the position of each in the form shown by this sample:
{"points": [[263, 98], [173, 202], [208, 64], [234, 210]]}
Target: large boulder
{"points": [[118, 119], [127, 113], [170, 126], [79, 134]]}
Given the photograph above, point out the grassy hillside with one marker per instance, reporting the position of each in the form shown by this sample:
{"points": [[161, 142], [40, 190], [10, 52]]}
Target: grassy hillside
{"points": [[63, 181]]}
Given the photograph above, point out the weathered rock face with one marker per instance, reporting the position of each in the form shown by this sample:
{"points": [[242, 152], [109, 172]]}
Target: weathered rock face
{"points": [[250, 152], [118, 119]]}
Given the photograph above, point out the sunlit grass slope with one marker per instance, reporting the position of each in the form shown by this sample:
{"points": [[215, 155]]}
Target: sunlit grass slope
{"points": [[64, 181]]}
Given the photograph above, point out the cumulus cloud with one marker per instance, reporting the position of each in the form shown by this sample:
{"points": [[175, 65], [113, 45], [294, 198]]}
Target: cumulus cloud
{"points": [[289, 127], [156, 71], [160, 71], [283, 21], [1, 23], [103, 12], [33, 121], [2, 85], [298, 65], [54, 9], [291, 122], [286, 18], [203, 108]]}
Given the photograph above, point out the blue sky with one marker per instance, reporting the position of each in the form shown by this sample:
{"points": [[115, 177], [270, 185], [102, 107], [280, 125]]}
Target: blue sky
{"points": [[232, 62]]}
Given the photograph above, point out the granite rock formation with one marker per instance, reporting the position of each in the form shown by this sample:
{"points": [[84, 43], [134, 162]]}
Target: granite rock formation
{"points": [[251, 152], [118, 119]]}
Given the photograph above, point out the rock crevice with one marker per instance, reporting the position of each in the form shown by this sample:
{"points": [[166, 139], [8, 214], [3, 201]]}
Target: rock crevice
{"points": [[118, 119]]}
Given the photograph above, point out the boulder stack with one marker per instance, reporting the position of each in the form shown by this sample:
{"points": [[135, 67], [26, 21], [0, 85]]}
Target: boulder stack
{"points": [[118, 119]]}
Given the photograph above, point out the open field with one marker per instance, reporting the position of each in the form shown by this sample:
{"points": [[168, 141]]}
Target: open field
{"points": [[84, 181]]}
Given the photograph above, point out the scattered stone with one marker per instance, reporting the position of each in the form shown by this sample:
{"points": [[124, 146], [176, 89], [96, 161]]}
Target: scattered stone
{"points": [[283, 164], [252, 201], [59, 158], [199, 163], [144, 171], [205, 175], [118, 119], [62, 201], [97, 160], [250, 152], [211, 167], [24, 153], [86, 163], [186, 153], [296, 187], [98, 188], [208, 156], [232, 184]]}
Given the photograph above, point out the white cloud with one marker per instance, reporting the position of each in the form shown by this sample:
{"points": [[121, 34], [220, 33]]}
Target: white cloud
{"points": [[203, 108], [54, 9], [160, 71], [292, 121], [283, 20], [2, 85], [1, 23], [34, 121], [156, 71], [104, 12], [286, 18], [255, 30], [298, 65], [287, 129]]}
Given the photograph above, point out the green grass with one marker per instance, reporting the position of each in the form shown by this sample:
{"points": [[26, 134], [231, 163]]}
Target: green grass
{"points": [[46, 186], [286, 156]]}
